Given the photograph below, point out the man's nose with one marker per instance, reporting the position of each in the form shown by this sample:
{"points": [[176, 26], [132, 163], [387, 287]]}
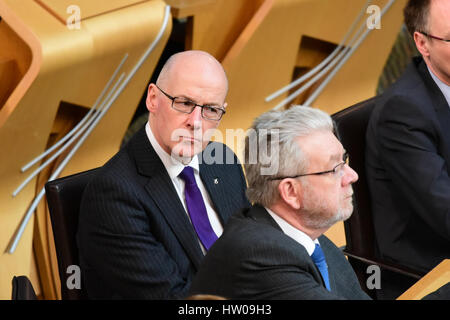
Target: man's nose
{"points": [[195, 118], [196, 114], [350, 175]]}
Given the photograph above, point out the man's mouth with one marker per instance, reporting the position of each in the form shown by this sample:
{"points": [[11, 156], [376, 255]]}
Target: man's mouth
{"points": [[190, 139]]}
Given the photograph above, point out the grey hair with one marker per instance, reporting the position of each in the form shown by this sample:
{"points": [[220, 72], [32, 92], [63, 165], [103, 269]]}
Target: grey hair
{"points": [[279, 130], [416, 15]]}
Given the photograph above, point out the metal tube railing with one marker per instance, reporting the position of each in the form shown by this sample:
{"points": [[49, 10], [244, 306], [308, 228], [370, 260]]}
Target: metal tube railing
{"points": [[322, 86], [56, 173], [77, 127], [324, 62], [67, 144]]}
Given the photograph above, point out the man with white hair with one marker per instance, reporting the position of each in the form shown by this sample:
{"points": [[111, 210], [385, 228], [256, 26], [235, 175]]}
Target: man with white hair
{"points": [[277, 250]]}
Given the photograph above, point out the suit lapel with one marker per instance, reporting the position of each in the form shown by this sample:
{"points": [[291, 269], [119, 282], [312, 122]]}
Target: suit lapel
{"points": [[260, 214], [331, 277], [441, 107], [214, 164], [215, 184], [161, 190], [443, 114]]}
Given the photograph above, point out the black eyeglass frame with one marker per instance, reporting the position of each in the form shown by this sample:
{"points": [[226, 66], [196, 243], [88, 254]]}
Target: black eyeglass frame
{"points": [[195, 105], [343, 163], [434, 37]]}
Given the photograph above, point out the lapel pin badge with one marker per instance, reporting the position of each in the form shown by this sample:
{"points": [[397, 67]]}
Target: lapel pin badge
{"points": [[216, 181]]}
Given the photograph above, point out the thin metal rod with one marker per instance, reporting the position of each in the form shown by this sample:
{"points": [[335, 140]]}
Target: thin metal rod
{"points": [[324, 62], [38, 198], [307, 85], [67, 144], [85, 118], [322, 72], [322, 86], [56, 173]]}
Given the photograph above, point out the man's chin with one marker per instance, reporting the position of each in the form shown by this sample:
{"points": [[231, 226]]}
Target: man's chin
{"points": [[346, 213]]}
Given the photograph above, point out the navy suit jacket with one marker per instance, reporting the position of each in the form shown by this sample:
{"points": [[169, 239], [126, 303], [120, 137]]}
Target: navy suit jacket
{"points": [[408, 170], [135, 238], [254, 259]]}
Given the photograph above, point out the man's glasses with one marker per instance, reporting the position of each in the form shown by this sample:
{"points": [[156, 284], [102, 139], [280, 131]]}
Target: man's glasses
{"points": [[335, 171], [434, 37], [209, 111]]}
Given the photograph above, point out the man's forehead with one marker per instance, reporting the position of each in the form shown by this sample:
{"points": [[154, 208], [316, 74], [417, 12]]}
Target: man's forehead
{"points": [[322, 145], [439, 17]]}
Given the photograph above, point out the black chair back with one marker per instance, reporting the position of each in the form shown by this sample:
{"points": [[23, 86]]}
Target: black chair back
{"points": [[351, 124], [64, 199], [361, 247], [22, 289]]}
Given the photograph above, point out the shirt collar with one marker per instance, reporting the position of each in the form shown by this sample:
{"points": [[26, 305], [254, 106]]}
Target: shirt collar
{"points": [[173, 166], [445, 89], [295, 233]]}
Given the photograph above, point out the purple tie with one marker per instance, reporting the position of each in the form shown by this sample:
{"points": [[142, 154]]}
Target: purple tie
{"points": [[196, 208]]}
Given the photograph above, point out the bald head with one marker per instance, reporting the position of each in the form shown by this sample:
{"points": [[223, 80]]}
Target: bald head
{"points": [[194, 61], [190, 76]]}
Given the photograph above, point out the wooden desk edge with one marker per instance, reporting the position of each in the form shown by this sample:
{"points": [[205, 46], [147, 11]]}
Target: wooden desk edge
{"points": [[433, 280]]}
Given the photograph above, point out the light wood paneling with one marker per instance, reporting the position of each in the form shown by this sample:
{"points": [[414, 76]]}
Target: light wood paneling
{"points": [[90, 8], [189, 8], [70, 66], [215, 25], [433, 280]]}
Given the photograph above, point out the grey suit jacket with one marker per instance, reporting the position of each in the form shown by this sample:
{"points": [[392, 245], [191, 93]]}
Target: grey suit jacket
{"points": [[254, 259], [134, 236]]}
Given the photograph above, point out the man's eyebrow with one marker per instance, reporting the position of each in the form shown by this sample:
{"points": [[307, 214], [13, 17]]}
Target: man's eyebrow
{"points": [[193, 100], [337, 156], [185, 97]]}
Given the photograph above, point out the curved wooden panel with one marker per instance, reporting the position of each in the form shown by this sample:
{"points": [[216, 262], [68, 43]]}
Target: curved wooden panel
{"points": [[214, 25], [267, 56], [90, 8], [66, 67]]}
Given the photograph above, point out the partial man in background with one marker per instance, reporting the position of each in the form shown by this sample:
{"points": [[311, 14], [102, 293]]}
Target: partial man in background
{"points": [[408, 150], [153, 210]]}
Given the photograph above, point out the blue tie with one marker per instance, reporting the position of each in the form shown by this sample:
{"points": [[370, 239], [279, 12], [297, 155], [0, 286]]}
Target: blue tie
{"points": [[196, 208], [319, 259]]}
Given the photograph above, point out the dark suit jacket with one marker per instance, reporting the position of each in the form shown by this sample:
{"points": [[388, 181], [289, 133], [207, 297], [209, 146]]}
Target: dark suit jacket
{"points": [[135, 238], [408, 168], [254, 259]]}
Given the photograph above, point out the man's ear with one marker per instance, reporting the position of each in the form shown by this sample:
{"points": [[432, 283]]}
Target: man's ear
{"points": [[421, 43], [290, 192], [151, 102]]}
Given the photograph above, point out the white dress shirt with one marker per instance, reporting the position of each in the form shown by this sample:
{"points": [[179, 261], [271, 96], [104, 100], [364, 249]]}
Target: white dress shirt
{"points": [[296, 234], [174, 168]]}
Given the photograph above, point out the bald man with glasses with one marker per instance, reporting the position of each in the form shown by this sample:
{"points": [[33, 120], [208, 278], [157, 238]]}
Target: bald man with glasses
{"points": [[153, 211]]}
